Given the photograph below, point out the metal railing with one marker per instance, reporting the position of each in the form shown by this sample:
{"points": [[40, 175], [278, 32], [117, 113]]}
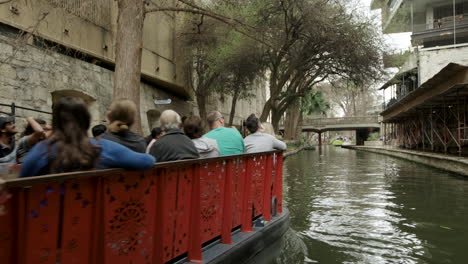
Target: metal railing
{"points": [[155, 216], [341, 121], [442, 24], [13, 111]]}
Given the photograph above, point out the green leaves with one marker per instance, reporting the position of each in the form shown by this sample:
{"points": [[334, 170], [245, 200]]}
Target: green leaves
{"points": [[314, 103]]}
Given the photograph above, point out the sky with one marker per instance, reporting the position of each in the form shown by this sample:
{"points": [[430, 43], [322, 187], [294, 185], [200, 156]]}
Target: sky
{"points": [[395, 42], [400, 41]]}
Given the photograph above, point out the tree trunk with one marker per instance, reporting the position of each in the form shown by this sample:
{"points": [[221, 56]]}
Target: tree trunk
{"points": [[275, 119], [201, 102], [129, 43], [291, 123], [266, 111], [354, 104], [299, 127], [233, 106]]}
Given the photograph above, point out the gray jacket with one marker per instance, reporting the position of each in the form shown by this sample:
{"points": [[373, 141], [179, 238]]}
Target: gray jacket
{"points": [[206, 147], [261, 142]]}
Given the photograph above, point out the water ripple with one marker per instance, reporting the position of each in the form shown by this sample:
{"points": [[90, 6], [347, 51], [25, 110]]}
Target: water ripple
{"points": [[355, 207]]}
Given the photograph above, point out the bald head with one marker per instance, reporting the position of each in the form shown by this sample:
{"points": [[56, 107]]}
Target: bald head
{"points": [[215, 119], [169, 120]]}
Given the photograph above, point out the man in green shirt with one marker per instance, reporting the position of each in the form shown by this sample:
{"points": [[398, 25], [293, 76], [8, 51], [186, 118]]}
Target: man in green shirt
{"points": [[229, 140]]}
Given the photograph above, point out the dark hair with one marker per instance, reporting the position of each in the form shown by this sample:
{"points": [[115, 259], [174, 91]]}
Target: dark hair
{"points": [[5, 120], [70, 122], [29, 130], [98, 130], [252, 123], [193, 127], [156, 132]]}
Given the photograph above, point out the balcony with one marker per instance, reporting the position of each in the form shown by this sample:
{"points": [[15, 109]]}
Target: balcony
{"points": [[441, 32]]}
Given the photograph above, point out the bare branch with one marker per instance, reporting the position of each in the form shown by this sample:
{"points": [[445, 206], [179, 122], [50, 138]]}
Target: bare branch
{"points": [[220, 18]]}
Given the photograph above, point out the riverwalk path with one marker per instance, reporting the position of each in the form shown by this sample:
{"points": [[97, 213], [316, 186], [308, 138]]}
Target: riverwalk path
{"points": [[449, 163]]}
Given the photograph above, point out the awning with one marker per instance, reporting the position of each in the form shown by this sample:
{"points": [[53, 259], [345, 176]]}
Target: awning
{"points": [[448, 84], [397, 79]]}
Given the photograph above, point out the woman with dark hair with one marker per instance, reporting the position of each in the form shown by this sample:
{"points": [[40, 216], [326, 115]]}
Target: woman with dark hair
{"points": [[69, 148], [122, 115], [258, 141], [206, 147]]}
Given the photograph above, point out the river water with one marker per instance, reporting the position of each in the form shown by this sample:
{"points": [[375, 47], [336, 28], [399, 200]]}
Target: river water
{"points": [[356, 207]]}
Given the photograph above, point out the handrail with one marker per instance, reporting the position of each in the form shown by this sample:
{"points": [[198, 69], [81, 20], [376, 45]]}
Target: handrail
{"points": [[13, 108], [59, 177], [155, 216]]}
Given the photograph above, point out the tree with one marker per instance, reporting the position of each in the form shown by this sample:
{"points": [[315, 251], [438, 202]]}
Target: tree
{"points": [[306, 41], [129, 45], [354, 99], [224, 61], [312, 103], [128, 52], [312, 41]]}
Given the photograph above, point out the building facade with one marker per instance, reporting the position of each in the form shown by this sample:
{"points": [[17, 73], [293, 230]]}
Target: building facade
{"points": [[426, 104]]}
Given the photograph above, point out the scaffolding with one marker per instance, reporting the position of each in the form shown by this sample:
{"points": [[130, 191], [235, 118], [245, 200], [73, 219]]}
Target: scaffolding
{"points": [[433, 118]]}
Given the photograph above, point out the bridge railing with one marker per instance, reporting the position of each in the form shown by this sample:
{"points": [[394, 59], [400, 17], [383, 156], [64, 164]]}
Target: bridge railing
{"points": [[116, 216], [340, 120]]}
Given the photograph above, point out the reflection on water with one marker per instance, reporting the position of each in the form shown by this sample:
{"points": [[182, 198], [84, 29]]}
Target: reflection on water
{"points": [[358, 207]]}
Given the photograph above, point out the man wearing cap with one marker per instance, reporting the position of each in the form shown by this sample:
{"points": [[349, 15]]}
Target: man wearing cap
{"points": [[7, 139]]}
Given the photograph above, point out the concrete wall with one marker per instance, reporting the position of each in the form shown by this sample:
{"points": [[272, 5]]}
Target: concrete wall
{"points": [[373, 143], [34, 77], [432, 61], [430, 16], [90, 26], [252, 105]]}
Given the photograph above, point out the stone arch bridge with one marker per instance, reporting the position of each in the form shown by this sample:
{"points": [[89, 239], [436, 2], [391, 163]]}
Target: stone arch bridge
{"points": [[362, 125]]}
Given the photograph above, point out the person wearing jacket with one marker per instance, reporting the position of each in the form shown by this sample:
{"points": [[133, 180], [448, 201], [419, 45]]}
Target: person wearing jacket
{"points": [[69, 149], [174, 145], [258, 141], [121, 116], [206, 147]]}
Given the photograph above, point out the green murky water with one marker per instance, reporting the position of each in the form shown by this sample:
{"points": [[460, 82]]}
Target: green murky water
{"points": [[356, 207]]}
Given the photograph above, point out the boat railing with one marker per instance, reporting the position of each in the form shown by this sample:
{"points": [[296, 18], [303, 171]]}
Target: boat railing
{"points": [[156, 216]]}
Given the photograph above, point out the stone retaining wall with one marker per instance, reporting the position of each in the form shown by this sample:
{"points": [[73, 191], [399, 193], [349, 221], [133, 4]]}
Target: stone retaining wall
{"points": [[440, 161]]}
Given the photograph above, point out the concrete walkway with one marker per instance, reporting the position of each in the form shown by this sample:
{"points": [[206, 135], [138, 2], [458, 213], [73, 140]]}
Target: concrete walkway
{"points": [[449, 163]]}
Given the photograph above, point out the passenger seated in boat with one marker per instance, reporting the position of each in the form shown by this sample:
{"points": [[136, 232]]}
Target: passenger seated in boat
{"points": [[229, 140], [174, 145], [156, 133], [258, 141], [206, 147], [121, 116], [35, 131], [69, 148]]}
